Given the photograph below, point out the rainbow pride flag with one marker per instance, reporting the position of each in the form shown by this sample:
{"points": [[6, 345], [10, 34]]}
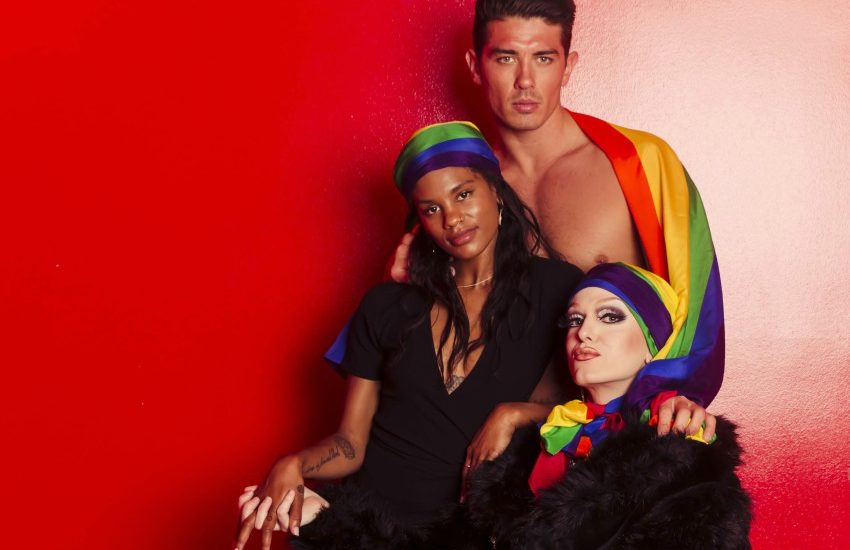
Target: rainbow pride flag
{"points": [[667, 210]]}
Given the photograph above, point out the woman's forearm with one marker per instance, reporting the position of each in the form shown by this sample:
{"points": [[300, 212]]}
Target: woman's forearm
{"points": [[521, 414], [334, 457]]}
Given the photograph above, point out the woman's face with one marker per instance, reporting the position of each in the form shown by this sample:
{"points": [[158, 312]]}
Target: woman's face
{"points": [[459, 210], [605, 345]]}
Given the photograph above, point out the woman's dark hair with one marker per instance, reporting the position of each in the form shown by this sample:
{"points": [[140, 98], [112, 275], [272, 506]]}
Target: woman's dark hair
{"points": [[517, 242]]}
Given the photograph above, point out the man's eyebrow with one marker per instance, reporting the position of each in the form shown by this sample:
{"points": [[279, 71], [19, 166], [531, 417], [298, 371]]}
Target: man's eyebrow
{"points": [[502, 51]]}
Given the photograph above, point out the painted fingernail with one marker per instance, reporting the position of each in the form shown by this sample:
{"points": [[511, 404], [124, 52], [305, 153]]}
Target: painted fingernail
{"points": [[295, 530]]}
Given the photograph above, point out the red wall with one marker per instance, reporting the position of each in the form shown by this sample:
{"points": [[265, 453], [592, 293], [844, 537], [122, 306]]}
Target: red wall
{"points": [[194, 198]]}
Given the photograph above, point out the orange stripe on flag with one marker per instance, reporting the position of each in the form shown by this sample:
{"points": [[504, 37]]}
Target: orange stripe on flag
{"points": [[626, 163]]}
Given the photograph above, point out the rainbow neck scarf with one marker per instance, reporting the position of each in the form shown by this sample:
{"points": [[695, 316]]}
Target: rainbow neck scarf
{"points": [[673, 229], [576, 427]]}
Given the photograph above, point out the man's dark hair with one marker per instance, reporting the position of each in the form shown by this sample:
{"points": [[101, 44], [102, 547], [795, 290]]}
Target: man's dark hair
{"points": [[554, 12]]}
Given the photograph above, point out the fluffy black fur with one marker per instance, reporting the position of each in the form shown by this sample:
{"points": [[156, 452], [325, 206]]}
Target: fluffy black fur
{"points": [[360, 519], [636, 490], [357, 519]]}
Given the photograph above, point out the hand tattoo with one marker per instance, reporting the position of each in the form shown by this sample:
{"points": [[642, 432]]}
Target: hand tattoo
{"points": [[300, 489]]}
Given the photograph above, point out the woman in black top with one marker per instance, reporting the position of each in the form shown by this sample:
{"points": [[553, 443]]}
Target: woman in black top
{"points": [[430, 360]]}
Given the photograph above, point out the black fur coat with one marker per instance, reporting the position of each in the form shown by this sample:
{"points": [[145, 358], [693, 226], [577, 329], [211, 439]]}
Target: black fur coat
{"points": [[636, 490]]}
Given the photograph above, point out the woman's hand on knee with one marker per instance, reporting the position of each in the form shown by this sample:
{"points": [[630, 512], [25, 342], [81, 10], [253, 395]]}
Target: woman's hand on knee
{"points": [[491, 440]]}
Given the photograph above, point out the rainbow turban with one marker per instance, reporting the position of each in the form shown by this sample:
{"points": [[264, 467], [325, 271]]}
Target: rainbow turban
{"points": [[649, 297], [576, 427], [442, 145]]}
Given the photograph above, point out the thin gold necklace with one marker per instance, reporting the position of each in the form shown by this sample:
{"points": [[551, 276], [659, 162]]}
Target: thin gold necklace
{"points": [[481, 282]]}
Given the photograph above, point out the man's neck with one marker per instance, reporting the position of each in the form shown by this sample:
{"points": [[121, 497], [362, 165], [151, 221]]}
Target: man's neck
{"points": [[532, 152]]}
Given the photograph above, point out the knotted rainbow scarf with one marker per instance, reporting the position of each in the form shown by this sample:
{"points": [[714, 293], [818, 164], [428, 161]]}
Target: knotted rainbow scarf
{"points": [[442, 145], [667, 210]]}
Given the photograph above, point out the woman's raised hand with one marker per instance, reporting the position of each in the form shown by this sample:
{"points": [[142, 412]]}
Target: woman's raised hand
{"points": [[278, 502]]}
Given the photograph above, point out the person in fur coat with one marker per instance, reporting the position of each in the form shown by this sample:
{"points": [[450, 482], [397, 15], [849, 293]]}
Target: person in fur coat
{"points": [[596, 474]]}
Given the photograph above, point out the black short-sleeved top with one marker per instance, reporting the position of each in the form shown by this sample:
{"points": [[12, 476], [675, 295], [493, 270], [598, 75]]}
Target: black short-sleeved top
{"points": [[420, 432]]}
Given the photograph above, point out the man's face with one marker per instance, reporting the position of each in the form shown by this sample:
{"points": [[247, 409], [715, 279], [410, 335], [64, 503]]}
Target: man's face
{"points": [[522, 68]]}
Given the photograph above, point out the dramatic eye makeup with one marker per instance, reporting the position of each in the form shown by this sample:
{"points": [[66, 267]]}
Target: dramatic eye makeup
{"points": [[611, 315], [608, 314], [570, 319]]}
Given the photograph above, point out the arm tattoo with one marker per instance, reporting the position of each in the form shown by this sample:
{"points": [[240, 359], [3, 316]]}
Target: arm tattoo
{"points": [[333, 452], [342, 445], [345, 446]]}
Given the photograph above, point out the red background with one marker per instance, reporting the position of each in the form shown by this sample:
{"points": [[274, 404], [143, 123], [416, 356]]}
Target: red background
{"points": [[195, 195]]}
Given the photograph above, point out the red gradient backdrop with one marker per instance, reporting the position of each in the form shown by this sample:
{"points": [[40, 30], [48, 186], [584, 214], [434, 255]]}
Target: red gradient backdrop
{"points": [[196, 194]]}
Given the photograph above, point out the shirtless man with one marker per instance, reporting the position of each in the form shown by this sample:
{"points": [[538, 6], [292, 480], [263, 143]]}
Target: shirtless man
{"points": [[566, 180]]}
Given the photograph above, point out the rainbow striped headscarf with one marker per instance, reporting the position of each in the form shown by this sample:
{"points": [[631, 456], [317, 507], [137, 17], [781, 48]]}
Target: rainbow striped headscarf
{"points": [[650, 299], [442, 145]]}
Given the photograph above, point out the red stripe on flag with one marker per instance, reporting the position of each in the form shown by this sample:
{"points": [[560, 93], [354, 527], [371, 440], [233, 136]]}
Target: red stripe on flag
{"points": [[629, 171]]}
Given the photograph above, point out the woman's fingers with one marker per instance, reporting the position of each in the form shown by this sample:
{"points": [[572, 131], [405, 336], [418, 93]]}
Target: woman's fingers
{"points": [[697, 418], [245, 497], [262, 512], [283, 510], [665, 417], [245, 531], [295, 511], [249, 507], [250, 488], [710, 426]]}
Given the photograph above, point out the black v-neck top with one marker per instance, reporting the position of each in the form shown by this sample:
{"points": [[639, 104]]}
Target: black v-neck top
{"points": [[420, 432]]}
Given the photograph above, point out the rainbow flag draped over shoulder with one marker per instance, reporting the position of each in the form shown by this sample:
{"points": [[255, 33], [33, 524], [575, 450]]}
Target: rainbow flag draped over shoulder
{"points": [[673, 229]]}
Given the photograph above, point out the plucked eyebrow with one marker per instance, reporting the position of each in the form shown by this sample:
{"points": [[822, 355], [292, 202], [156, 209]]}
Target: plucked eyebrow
{"points": [[452, 191], [612, 301]]}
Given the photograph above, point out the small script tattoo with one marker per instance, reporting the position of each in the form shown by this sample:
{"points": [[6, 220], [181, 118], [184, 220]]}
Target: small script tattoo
{"points": [[300, 489], [345, 446], [454, 382], [342, 446], [332, 454]]}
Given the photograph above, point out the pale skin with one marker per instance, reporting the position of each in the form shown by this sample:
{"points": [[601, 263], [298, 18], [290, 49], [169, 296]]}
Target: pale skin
{"points": [[460, 211], [568, 183], [606, 348]]}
